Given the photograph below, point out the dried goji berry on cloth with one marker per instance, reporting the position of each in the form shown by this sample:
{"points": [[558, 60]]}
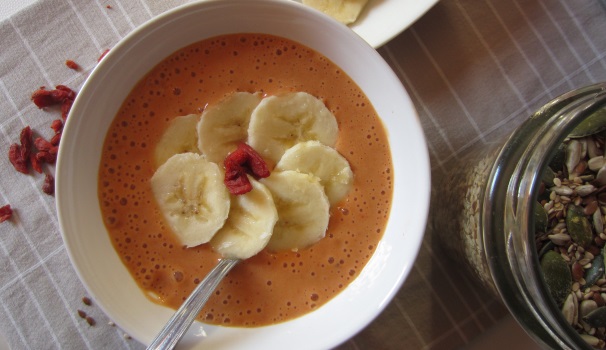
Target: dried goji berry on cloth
{"points": [[66, 106], [20, 154], [43, 98], [47, 151], [57, 125], [62, 95], [26, 139], [16, 158], [42, 144], [6, 213], [36, 164], [48, 157], [72, 65], [55, 139], [48, 186]]}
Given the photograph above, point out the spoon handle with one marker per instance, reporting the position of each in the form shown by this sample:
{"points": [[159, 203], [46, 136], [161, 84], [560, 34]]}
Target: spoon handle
{"points": [[184, 317]]}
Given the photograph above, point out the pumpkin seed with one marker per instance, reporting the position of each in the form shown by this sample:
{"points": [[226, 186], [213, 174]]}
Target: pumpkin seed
{"points": [[540, 217], [593, 124], [549, 245], [578, 226], [557, 276], [558, 160], [548, 176], [596, 318], [595, 271]]}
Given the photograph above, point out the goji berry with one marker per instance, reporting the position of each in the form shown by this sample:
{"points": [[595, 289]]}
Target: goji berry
{"points": [[254, 161], [42, 144], [66, 106], [57, 125], [46, 157], [55, 139], [35, 163], [48, 186], [67, 93], [43, 98], [72, 65], [60, 95], [26, 138], [5, 213], [235, 180], [238, 163], [16, 158]]}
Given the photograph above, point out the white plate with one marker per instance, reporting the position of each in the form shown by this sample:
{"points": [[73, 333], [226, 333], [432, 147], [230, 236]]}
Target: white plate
{"points": [[382, 20], [87, 241]]}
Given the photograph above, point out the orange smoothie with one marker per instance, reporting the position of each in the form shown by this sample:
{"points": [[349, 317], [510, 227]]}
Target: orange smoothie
{"points": [[269, 287]]}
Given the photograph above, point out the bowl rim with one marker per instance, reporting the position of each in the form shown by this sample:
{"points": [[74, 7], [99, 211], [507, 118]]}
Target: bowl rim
{"points": [[65, 173]]}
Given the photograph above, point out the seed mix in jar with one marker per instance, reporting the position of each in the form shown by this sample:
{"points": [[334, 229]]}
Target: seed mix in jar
{"points": [[569, 229]]}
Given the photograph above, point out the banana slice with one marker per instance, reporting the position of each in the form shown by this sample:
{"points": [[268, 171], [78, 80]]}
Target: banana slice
{"points": [[225, 124], [280, 122], [344, 11], [249, 225], [302, 210], [190, 193], [179, 137], [312, 157]]}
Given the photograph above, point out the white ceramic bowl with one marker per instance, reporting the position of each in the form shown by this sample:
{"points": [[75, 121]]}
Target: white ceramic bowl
{"points": [[88, 244]]}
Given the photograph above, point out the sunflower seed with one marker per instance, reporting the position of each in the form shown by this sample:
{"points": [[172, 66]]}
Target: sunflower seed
{"points": [[596, 163], [590, 339], [540, 217], [559, 238], [570, 309], [600, 178], [585, 190], [573, 155], [562, 190]]}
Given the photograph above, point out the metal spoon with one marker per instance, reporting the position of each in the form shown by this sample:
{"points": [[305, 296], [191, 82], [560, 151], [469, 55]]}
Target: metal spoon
{"points": [[180, 322]]}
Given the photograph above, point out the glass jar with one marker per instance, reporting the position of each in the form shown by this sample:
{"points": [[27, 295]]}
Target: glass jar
{"points": [[482, 213]]}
